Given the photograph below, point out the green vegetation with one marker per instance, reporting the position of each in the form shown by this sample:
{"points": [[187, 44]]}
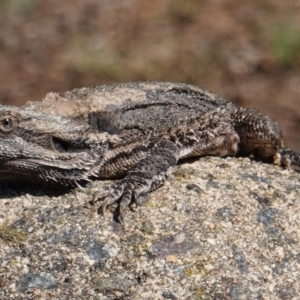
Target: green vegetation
{"points": [[285, 43], [20, 6]]}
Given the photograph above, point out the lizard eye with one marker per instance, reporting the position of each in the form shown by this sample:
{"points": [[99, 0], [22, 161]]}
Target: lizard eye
{"points": [[7, 123]]}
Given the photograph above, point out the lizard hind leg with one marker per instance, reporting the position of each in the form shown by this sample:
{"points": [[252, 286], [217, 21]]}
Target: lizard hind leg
{"points": [[259, 135], [147, 175]]}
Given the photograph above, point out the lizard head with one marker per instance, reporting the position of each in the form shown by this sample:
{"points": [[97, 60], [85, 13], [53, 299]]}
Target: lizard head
{"points": [[48, 148]]}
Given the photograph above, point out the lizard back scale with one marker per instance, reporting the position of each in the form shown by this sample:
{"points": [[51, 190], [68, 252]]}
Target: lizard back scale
{"points": [[134, 131]]}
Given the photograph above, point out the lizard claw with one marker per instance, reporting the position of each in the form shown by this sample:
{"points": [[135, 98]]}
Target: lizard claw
{"points": [[123, 193], [99, 195], [134, 198], [127, 200], [120, 193], [120, 214], [102, 209]]}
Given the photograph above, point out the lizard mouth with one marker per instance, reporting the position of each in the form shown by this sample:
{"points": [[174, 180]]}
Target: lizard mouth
{"points": [[65, 146]]}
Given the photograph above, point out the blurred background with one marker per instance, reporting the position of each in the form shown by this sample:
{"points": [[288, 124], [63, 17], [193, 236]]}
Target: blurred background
{"points": [[247, 51]]}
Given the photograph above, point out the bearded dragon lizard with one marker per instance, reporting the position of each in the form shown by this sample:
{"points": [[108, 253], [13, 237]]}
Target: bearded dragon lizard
{"points": [[134, 132]]}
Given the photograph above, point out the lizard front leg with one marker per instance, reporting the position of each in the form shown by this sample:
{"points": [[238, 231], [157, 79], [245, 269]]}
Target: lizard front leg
{"points": [[147, 175]]}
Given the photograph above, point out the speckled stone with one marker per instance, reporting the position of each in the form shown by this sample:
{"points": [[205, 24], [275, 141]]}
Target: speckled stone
{"points": [[217, 229], [39, 281]]}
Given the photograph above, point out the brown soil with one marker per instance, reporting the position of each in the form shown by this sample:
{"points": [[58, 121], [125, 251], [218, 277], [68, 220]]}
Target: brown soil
{"points": [[246, 51]]}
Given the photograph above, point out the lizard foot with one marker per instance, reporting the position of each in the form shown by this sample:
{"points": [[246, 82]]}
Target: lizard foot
{"points": [[289, 159], [124, 193]]}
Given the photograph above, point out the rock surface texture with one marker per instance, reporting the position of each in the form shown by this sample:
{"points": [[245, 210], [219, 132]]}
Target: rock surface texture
{"points": [[217, 229]]}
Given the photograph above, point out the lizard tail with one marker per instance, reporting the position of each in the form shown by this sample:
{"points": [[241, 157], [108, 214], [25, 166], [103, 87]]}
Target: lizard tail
{"points": [[290, 159]]}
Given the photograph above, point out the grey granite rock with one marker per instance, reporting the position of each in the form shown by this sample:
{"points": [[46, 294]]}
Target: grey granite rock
{"points": [[36, 280], [218, 229]]}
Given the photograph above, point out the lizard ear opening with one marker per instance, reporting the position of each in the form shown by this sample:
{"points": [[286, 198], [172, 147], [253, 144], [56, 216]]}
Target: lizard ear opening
{"points": [[60, 145]]}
